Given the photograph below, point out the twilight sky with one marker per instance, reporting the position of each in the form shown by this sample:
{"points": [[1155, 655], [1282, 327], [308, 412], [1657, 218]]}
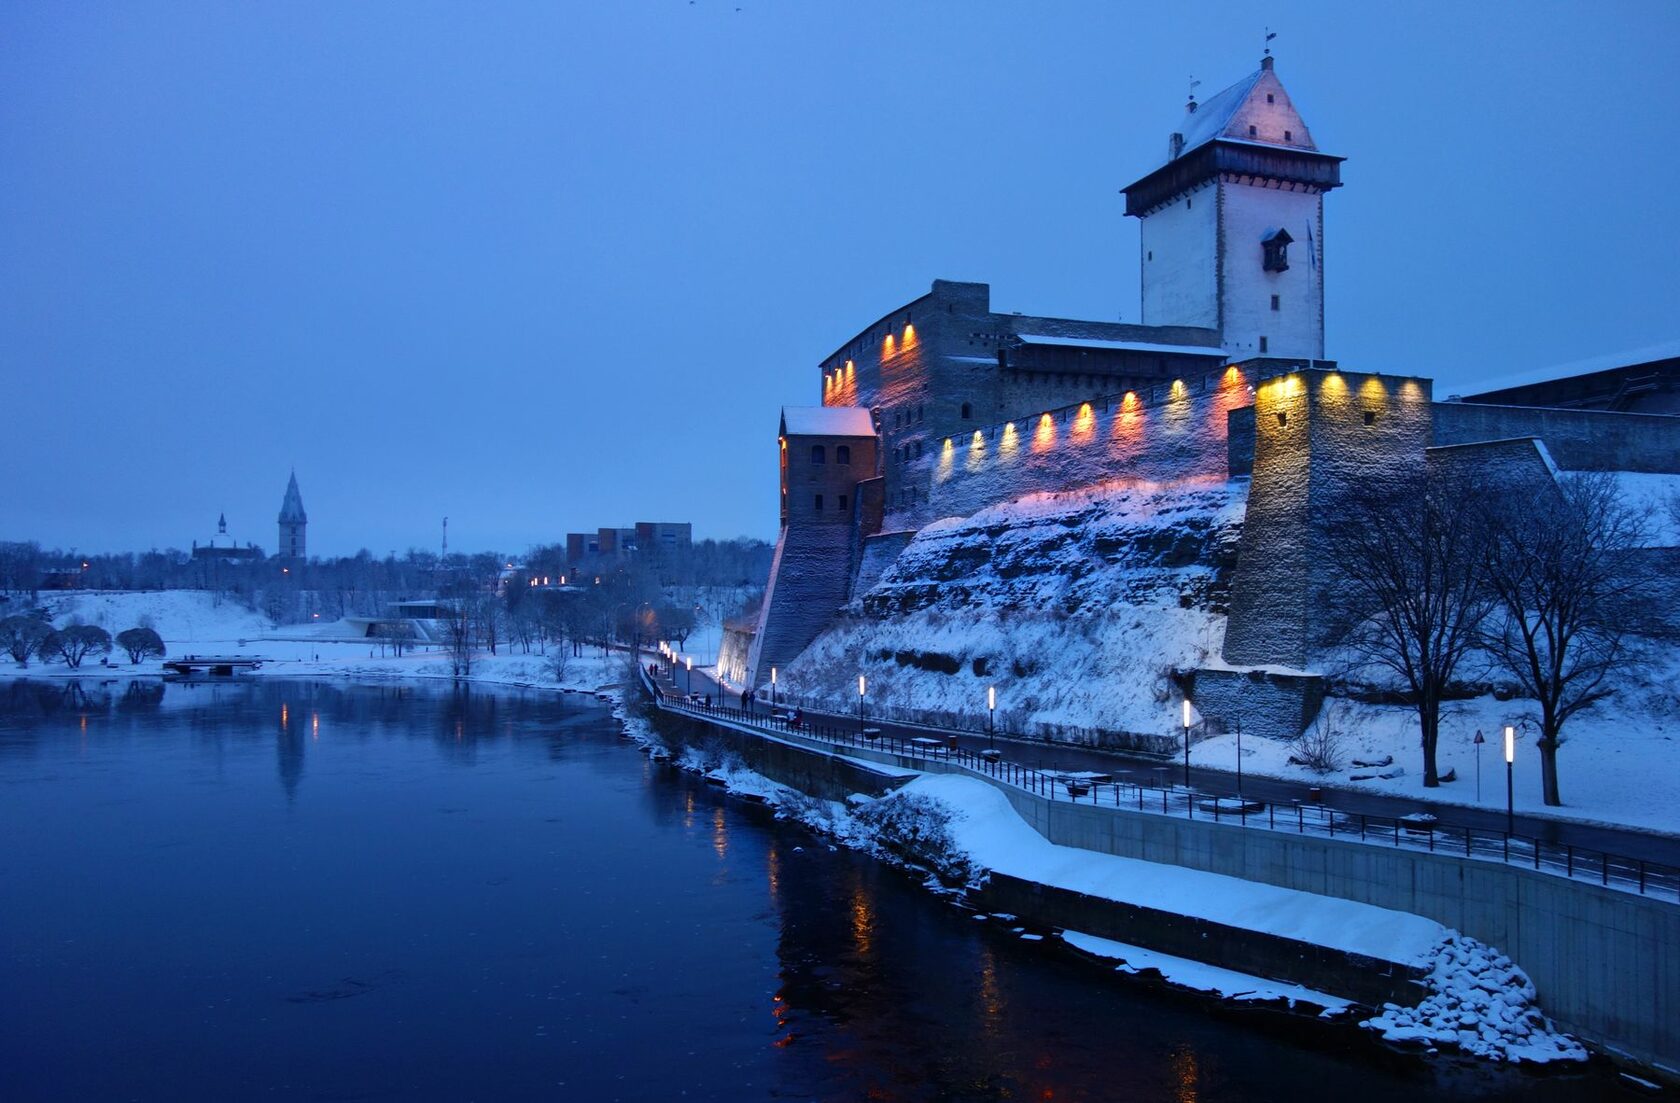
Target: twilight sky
{"points": [[545, 267]]}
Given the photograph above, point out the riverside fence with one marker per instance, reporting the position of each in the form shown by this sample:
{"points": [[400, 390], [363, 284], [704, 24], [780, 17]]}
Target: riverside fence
{"points": [[1645, 878]]}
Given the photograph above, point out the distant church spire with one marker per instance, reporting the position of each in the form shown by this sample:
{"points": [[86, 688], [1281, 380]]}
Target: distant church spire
{"points": [[221, 525], [294, 522]]}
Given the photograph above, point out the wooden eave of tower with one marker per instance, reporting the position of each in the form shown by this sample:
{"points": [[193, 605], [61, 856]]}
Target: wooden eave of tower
{"points": [[1210, 160]]}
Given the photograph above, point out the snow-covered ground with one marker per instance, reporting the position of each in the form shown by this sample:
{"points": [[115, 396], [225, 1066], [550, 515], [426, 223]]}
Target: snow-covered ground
{"points": [[1619, 763], [1038, 597], [195, 622]]}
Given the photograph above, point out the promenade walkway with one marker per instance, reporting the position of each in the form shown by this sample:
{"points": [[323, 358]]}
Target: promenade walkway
{"points": [[1648, 864]]}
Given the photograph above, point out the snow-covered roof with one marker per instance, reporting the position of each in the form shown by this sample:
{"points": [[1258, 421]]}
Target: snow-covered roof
{"points": [[1229, 114], [1129, 346], [827, 421], [1668, 350]]}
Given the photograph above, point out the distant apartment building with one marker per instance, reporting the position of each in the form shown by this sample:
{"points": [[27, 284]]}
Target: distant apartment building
{"points": [[644, 538]]}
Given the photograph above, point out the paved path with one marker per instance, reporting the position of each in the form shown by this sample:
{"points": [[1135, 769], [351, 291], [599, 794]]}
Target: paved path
{"points": [[1626, 842]]}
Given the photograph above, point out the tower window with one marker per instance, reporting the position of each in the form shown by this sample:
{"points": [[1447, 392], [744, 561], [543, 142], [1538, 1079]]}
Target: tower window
{"points": [[817, 456], [1288, 137], [1283, 419], [843, 454], [1274, 302], [1268, 97], [1253, 132], [1151, 254], [842, 503], [1370, 417], [967, 411], [819, 503], [1262, 344], [1275, 249]]}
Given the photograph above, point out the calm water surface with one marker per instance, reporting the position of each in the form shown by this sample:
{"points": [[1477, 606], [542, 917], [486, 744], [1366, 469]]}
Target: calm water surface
{"points": [[297, 890]]}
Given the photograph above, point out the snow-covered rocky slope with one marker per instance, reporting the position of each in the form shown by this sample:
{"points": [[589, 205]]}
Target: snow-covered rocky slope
{"points": [[1074, 605]]}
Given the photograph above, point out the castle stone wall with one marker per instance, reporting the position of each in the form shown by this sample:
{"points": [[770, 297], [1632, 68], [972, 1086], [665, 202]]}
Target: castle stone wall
{"points": [[1579, 440], [1319, 435], [1172, 431]]}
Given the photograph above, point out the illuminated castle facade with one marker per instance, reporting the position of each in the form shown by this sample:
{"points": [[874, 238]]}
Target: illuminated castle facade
{"points": [[942, 406]]}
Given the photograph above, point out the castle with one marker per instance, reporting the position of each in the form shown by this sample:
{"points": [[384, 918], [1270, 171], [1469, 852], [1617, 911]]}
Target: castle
{"points": [[942, 406]]}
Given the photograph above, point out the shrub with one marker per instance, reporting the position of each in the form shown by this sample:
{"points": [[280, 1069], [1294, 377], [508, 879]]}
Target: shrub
{"points": [[918, 828], [1319, 748]]}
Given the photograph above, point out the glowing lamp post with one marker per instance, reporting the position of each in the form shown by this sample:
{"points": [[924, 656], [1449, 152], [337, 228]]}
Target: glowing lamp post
{"points": [[991, 717], [772, 687], [1478, 741], [1187, 742], [688, 674], [1510, 788], [861, 685]]}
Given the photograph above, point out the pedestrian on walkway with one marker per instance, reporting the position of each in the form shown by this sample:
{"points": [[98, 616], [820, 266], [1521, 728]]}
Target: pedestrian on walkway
{"points": [[746, 699]]}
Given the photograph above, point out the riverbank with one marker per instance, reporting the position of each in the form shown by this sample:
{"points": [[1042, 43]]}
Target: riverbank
{"points": [[1451, 994]]}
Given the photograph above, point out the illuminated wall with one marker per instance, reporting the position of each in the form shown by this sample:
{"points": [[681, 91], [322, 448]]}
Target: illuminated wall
{"points": [[1317, 436], [1170, 431]]}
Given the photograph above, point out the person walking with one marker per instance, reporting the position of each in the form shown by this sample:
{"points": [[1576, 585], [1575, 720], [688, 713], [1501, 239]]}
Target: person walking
{"points": [[746, 699]]}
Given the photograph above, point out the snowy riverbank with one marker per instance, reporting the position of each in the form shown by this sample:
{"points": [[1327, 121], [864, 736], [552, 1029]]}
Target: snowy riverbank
{"points": [[1475, 1000]]}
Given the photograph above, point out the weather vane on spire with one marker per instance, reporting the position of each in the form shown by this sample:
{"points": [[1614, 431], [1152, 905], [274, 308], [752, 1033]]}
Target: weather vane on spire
{"points": [[1270, 34], [1193, 83]]}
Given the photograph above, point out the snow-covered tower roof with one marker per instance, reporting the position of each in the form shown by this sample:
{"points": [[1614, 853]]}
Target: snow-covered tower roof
{"points": [[1255, 109], [291, 508], [1251, 129]]}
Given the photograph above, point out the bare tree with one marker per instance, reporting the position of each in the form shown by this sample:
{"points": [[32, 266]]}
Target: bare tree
{"points": [[1563, 568], [140, 643], [75, 642], [1411, 598], [22, 636], [458, 637]]}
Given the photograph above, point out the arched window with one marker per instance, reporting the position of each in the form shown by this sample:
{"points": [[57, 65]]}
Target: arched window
{"points": [[817, 455], [843, 454], [967, 411]]}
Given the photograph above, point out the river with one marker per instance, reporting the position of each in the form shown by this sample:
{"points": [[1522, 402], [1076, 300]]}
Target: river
{"points": [[324, 891]]}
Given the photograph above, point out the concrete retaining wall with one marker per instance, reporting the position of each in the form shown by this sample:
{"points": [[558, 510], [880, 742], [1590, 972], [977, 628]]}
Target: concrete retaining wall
{"points": [[1606, 962], [1351, 976]]}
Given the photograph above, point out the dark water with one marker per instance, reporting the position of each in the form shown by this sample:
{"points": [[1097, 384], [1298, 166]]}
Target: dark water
{"points": [[313, 891]]}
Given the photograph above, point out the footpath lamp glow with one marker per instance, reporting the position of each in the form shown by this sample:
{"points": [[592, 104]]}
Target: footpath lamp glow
{"points": [[861, 685], [991, 717], [1187, 742], [1510, 788], [772, 687]]}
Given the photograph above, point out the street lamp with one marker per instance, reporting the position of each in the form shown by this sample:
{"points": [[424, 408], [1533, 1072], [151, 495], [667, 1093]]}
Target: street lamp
{"points": [[991, 717], [1239, 760], [1187, 742], [1478, 741], [860, 702], [1510, 788], [772, 687]]}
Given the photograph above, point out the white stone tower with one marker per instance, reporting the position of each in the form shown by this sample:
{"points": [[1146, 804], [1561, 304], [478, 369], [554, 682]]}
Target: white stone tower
{"points": [[293, 523], [1233, 223]]}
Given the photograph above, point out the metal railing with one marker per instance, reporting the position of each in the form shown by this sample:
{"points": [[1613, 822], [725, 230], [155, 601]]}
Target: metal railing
{"points": [[1655, 879]]}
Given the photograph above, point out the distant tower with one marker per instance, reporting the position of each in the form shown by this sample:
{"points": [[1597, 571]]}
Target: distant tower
{"points": [[293, 522], [1233, 223]]}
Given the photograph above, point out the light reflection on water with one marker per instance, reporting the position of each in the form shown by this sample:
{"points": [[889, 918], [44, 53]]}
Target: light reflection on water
{"points": [[461, 894]]}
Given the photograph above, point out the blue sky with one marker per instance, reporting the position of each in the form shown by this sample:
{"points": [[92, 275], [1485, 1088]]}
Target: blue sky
{"points": [[547, 267]]}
